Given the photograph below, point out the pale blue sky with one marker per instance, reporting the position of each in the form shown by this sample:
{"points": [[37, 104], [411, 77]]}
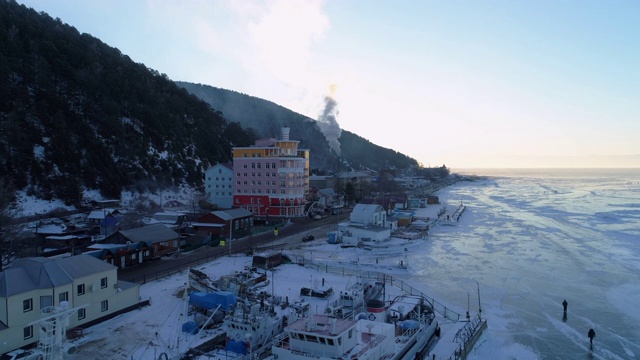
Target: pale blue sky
{"points": [[469, 84]]}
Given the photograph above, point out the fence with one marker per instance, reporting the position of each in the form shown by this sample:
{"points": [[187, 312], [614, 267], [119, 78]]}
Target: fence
{"points": [[467, 336]]}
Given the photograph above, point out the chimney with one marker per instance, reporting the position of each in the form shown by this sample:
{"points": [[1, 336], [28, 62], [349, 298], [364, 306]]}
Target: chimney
{"points": [[285, 133]]}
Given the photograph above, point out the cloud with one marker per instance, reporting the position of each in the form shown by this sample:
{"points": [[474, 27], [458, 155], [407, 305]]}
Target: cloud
{"points": [[282, 38]]}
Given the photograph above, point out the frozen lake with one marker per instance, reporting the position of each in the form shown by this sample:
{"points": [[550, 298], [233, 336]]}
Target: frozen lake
{"points": [[531, 239]]}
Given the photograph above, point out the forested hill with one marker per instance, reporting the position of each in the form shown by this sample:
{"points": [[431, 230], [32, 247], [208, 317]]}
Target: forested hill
{"points": [[76, 113], [266, 118]]}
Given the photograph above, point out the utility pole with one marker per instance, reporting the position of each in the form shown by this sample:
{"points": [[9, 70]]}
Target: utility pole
{"points": [[479, 307], [230, 236]]}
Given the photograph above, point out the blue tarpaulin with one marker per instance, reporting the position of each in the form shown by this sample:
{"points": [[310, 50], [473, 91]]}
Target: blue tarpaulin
{"points": [[211, 300], [190, 327], [237, 347]]}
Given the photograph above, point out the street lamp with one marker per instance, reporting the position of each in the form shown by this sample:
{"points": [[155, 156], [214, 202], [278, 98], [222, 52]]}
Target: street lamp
{"points": [[479, 307]]}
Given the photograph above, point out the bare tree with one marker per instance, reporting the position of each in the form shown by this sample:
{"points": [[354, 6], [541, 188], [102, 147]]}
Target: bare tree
{"points": [[8, 231]]}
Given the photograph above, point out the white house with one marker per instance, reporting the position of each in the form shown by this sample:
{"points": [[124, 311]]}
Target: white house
{"points": [[218, 185], [368, 222], [32, 286]]}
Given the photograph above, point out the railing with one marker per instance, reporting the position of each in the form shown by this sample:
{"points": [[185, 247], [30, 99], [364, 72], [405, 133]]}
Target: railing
{"points": [[467, 336]]}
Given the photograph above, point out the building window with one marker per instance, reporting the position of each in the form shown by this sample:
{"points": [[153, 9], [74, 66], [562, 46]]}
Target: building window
{"points": [[238, 174], [82, 313], [253, 165], [103, 283], [63, 296], [28, 332], [27, 305], [104, 305], [244, 166], [219, 171], [80, 289], [266, 165], [273, 165]]}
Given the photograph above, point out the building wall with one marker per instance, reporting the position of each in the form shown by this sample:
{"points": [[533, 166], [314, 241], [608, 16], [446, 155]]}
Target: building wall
{"points": [[271, 178], [94, 295], [219, 186], [352, 235]]}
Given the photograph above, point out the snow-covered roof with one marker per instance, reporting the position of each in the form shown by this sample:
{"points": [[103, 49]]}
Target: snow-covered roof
{"points": [[363, 213], [230, 214], [100, 214], [327, 192], [199, 224], [150, 234]]}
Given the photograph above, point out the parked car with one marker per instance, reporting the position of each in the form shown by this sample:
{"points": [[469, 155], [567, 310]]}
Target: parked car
{"points": [[308, 237]]}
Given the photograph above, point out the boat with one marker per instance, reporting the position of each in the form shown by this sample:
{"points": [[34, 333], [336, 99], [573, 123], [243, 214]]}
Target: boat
{"points": [[241, 283], [200, 281], [318, 293], [352, 299], [249, 328], [399, 330], [326, 337]]}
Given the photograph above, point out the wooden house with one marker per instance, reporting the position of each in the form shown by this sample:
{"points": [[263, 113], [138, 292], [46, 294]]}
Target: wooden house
{"points": [[224, 223]]}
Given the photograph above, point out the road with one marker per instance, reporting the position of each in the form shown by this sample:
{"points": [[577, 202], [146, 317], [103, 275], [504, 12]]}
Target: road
{"points": [[288, 236]]}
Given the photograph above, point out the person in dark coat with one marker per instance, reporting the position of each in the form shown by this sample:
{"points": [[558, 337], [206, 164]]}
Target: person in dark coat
{"points": [[564, 305], [591, 335]]}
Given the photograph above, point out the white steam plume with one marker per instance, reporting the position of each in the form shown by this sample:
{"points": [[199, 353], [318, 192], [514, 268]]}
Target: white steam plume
{"points": [[328, 123]]}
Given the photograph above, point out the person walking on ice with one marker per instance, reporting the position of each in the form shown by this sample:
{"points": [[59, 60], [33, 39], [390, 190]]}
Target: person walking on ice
{"points": [[591, 335], [564, 305]]}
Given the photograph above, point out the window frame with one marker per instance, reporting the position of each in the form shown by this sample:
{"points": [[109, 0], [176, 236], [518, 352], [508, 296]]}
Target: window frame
{"points": [[27, 305]]}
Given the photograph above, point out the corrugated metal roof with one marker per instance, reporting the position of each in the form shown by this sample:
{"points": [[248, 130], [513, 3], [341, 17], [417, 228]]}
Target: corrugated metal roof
{"points": [[28, 274], [150, 234], [229, 214]]}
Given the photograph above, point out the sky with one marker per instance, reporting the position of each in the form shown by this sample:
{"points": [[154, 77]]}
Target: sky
{"points": [[467, 84]]}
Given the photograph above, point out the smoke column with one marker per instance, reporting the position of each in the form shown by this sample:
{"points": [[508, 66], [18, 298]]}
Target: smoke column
{"points": [[328, 123]]}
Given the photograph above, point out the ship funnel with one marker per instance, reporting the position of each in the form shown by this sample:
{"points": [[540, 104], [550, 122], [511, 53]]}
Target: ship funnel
{"points": [[285, 133]]}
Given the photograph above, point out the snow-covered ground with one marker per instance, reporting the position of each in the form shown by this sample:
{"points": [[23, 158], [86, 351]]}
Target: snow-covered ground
{"points": [[28, 205], [523, 245], [532, 239], [152, 330]]}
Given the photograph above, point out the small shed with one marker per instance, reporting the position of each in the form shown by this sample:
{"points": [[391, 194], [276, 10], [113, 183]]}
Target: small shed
{"points": [[267, 261]]}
